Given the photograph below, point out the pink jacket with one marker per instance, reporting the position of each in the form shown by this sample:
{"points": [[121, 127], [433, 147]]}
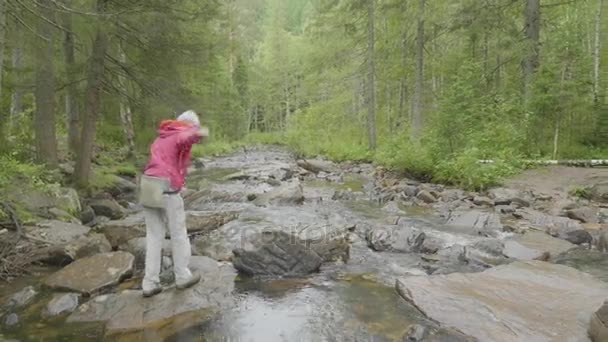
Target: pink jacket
{"points": [[170, 152]]}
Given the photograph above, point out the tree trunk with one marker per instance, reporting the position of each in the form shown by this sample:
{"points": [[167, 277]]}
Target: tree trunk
{"points": [[92, 102], [418, 91], [596, 53], [16, 62], [44, 116], [2, 38], [126, 116], [371, 96], [531, 60], [71, 91]]}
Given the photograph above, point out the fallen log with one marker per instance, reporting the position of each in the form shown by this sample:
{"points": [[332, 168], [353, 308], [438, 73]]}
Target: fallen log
{"points": [[574, 162]]}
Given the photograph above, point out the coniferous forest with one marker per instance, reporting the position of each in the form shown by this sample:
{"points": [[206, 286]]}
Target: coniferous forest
{"points": [[429, 87]]}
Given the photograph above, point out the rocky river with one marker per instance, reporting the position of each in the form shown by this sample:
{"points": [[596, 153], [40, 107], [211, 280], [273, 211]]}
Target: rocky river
{"points": [[310, 250]]}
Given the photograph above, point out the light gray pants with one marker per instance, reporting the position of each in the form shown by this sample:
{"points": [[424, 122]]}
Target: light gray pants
{"points": [[175, 216]]}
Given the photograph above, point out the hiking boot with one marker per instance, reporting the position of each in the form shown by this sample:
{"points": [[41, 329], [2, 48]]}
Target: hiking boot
{"points": [[189, 283], [152, 292]]}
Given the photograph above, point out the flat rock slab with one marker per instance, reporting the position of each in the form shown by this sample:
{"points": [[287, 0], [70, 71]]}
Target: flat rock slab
{"points": [[535, 244], [93, 274], [168, 312], [56, 232], [521, 301]]}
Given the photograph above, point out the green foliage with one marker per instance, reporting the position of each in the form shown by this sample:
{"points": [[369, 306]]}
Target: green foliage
{"points": [[582, 192]]}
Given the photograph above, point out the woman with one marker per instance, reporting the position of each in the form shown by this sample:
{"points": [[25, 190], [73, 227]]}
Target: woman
{"points": [[160, 195]]}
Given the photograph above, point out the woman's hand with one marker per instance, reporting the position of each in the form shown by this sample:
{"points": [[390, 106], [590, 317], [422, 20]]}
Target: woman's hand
{"points": [[203, 132]]}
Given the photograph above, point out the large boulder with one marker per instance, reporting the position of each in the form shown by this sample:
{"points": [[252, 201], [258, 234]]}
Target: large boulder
{"points": [[108, 208], [129, 314], [86, 246], [587, 260], [534, 245], [313, 232], [137, 247], [66, 241], [119, 232], [475, 222], [521, 301], [93, 274]]}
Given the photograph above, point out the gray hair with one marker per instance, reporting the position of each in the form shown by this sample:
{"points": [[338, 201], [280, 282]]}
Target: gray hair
{"points": [[189, 116]]}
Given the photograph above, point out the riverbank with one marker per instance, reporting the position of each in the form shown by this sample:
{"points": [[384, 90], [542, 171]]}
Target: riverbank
{"points": [[310, 249]]}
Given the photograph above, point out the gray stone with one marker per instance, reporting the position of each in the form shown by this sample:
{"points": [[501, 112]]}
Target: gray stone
{"points": [[61, 215], [317, 165], [410, 190], [476, 222], [166, 313], [534, 245], [56, 232], [505, 196], [11, 319], [67, 199], [451, 195], [599, 192], [395, 239], [206, 221], [87, 215], [289, 193], [22, 298], [108, 208], [121, 186], [483, 201], [584, 215], [426, 196], [62, 303], [121, 231], [579, 237], [137, 247], [554, 225], [87, 245], [557, 303], [598, 327], [93, 274]]}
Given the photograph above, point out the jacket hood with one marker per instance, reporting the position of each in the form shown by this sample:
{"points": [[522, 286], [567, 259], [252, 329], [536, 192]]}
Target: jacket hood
{"points": [[171, 127]]}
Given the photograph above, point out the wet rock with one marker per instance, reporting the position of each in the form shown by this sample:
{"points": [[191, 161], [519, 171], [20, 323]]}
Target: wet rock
{"points": [[11, 319], [318, 227], [93, 274], [533, 245], [426, 196], [483, 201], [290, 193], [476, 222], [449, 335], [108, 208], [22, 298], [599, 192], [579, 237], [430, 245], [488, 251], [317, 165], [553, 295], [598, 327], [584, 215], [168, 312], [206, 221], [395, 239], [62, 303], [585, 260], [276, 253], [505, 196], [119, 232], [67, 199], [410, 190], [554, 225], [121, 186]]}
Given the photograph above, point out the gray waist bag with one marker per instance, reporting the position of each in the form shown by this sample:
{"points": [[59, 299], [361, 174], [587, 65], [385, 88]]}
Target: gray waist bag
{"points": [[151, 191]]}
